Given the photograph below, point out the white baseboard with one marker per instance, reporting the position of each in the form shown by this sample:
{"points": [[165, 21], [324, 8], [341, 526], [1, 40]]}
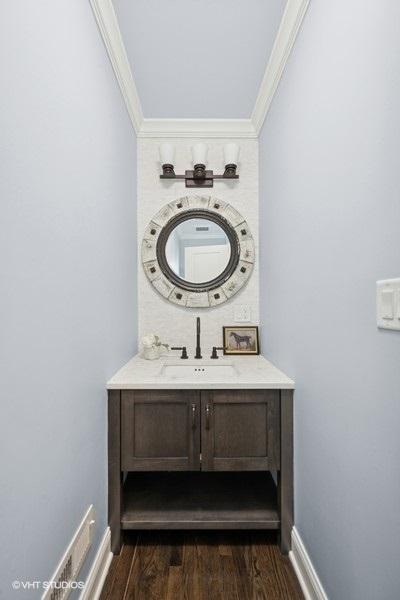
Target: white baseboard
{"points": [[305, 572], [99, 570]]}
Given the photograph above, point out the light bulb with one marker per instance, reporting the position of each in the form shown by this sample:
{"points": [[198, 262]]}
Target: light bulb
{"points": [[199, 153], [231, 154], [167, 154]]}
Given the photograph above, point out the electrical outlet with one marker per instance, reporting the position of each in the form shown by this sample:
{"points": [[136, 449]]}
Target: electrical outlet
{"points": [[242, 313]]}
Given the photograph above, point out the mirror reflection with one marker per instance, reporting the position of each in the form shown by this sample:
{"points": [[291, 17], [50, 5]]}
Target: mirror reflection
{"points": [[197, 250]]}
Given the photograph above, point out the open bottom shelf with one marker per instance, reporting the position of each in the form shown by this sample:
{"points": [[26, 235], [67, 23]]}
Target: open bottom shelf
{"points": [[199, 500]]}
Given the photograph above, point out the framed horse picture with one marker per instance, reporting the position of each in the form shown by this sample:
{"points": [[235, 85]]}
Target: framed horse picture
{"points": [[241, 340]]}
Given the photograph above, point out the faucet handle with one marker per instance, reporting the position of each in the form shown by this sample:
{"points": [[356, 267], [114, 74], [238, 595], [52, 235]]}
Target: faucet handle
{"points": [[214, 353], [183, 348]]}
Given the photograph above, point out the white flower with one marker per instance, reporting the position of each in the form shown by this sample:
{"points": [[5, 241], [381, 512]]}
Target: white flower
{"points": [[149, 341]]}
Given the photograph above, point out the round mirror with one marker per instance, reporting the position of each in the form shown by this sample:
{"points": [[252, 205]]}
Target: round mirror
{"points": [[197, 250]]}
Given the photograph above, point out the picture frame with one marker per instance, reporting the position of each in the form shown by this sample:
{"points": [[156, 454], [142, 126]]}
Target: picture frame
{"points": [[241, 339]]}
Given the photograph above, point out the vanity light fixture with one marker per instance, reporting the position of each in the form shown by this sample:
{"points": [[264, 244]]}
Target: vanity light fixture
{"points": [[199, 176], [167, 154]]}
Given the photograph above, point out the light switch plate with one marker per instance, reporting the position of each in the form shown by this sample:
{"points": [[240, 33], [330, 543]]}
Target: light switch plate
{"points": [[388, 303], [242, 313]]}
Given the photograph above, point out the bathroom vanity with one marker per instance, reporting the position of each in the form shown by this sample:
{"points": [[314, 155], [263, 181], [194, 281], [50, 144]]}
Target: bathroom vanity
{"points": [[200, 445]]}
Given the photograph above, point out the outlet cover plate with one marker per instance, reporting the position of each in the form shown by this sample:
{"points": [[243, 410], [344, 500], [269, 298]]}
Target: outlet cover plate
{"points": [[388, 304]]}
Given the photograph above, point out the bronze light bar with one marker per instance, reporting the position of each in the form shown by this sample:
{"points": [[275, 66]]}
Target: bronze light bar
{"points": [[199, 176]]}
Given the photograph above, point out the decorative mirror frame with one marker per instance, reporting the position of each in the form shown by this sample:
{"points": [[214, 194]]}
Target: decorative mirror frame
{"points": [[170, 285]]}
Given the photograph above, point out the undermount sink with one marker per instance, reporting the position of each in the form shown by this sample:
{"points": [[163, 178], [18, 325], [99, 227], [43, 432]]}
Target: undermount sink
{"points": [[218, 369]]}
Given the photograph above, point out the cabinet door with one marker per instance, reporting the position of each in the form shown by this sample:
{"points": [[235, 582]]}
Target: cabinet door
{"points": [[240, 430], [160, 430]]}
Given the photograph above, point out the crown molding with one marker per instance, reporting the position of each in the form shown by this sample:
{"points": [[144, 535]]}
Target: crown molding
{"points": [[288, 29], [111, 34], [202, 128]]}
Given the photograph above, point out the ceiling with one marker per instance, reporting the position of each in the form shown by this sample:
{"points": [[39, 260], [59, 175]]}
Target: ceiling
{"points": [[198, 68], [201, 59]]}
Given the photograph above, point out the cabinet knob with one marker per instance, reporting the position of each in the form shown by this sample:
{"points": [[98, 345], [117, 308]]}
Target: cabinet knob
{"points": [[208, 410], [193, 416]]}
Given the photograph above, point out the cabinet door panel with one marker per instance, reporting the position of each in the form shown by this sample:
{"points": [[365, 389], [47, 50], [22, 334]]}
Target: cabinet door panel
{"points": [[232, 424], [160, 430], [240, 430]]}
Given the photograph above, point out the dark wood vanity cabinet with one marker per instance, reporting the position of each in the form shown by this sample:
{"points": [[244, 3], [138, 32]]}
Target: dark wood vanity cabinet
{"points": [[160, 430], [182, 459]]}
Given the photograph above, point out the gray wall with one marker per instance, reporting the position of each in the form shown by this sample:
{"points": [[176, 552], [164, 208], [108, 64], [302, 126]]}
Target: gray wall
{"points": [[198, 58], [330, 219], [68, 276]]}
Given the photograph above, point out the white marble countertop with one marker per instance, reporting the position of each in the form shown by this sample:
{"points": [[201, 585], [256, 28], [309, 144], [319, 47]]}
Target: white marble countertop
{"points": [[254, 372]]}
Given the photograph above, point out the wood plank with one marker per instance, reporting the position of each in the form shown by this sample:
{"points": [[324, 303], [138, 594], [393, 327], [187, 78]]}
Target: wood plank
{"points": [[209, 566], [230, 590], [242, 561], [150, 569], [279, 580], [111, 575], [192, 582], [116, 591], [175, 584]]}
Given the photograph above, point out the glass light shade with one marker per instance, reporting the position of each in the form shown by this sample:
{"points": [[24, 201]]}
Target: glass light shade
{"points": [[231, 154], [167, 154], [199, 153]]}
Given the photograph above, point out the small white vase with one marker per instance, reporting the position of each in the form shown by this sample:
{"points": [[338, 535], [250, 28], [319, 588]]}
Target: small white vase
{"points": [[151, 353]]}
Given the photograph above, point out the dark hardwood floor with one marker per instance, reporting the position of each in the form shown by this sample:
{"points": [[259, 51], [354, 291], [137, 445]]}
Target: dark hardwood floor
{"points": [[206, 565]]}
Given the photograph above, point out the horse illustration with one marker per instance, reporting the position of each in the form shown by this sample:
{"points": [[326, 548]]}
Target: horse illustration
{"points": [[241, 339]]}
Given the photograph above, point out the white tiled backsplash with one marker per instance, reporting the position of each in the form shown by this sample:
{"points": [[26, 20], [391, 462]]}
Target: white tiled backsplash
{"points": [[176, 325]]}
